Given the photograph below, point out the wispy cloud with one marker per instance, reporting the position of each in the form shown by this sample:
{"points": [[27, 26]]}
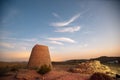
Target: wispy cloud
{"points": [[62, 39], [10, 15], [55, 15], [83, 45], [7, 45], [88, 32], [4, 33], [22, 39], [30, 40], [56, 42], [16, 43], [69, 29], [65, 23]]}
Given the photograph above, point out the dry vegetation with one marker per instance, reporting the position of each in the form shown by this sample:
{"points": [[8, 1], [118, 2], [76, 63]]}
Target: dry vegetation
{"points": [[59, 72]]}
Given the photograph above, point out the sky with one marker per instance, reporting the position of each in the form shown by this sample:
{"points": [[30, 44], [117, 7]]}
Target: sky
{"points": [[72, 29]]}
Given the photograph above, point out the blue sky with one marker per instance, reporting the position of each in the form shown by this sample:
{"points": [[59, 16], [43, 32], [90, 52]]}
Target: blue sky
{"points": [[73, 29]]}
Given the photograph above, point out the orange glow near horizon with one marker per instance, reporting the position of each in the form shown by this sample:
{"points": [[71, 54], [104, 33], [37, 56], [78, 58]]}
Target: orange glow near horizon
{"points": [[78, 32], [24, 56]]}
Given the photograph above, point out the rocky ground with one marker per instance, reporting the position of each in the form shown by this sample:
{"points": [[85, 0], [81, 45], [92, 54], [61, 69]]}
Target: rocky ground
{"points": [[25, 74], [82, 71], [91, 67]]}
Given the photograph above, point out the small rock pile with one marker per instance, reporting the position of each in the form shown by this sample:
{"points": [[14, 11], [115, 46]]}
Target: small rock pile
{"points": [[90, 67]]}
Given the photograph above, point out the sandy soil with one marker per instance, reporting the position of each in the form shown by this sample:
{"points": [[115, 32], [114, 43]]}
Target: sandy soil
{"points": [[59, 72], [63, 75], [52, 75]]}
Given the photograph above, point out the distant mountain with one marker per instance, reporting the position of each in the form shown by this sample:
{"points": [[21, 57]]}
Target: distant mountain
{"points": [[105, 59], [102, 59]]}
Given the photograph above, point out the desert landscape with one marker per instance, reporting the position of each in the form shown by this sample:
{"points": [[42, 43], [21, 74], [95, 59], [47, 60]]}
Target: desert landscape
{"points": [[61, 70], [59, 39]]}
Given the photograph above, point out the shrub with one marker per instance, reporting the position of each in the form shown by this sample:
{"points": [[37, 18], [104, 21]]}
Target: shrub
{"points": [[4, 70], [14, 68], [44, 69], [34, 68], [100, 76]]}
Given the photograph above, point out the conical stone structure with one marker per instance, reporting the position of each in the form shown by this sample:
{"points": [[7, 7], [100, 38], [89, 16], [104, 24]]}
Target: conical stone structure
{"points": [[39, 56]]}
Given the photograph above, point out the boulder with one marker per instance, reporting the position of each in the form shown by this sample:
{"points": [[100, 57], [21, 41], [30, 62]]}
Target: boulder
{"points": [[39, 56]]}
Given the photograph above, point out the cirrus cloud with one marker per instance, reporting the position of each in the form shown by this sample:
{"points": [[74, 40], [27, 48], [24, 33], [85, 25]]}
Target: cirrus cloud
{"points": [[56, 42], [62, 39], [65, 23], [69, 29], [7, 45], [56, 15]]}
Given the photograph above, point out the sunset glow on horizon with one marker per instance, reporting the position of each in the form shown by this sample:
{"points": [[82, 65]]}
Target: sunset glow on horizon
{"points": [[72, 29]]}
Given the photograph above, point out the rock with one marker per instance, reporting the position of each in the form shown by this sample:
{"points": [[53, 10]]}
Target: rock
{"points": [[39, 56], [100, 76], [90, 67]]}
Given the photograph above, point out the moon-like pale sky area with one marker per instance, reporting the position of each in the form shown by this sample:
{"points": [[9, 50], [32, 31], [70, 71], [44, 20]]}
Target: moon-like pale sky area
{"points": [[72, 29]]}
